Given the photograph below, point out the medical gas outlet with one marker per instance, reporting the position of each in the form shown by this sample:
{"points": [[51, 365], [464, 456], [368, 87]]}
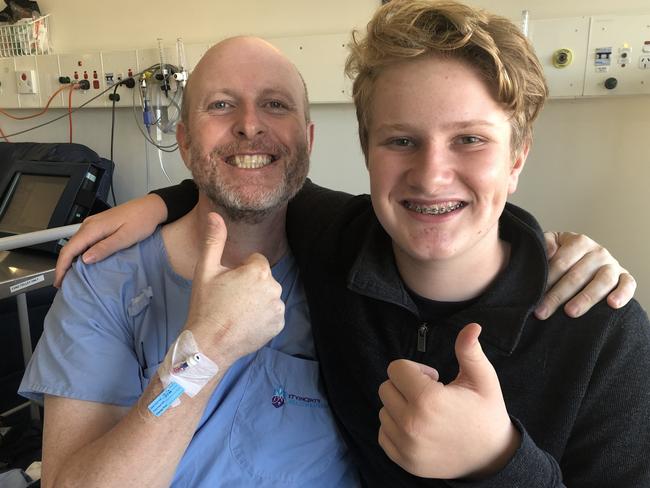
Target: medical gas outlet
{"points": [[562, 58]]}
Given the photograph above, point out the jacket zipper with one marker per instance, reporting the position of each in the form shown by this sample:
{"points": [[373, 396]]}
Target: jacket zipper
{"points": [[422, 337]]}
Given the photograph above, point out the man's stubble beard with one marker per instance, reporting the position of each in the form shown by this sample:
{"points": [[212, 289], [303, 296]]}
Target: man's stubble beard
{"points": [[252, 207]]}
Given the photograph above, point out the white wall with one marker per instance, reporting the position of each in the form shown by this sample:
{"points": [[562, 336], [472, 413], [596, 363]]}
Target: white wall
{"points": [[115, 24], [587, 172]]}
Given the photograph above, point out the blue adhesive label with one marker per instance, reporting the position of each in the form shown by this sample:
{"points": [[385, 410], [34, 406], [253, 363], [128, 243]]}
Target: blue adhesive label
{"points": [[163, 401]]}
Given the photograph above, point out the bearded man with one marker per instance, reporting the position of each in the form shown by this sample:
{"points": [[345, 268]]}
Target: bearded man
{"points": [[245, 135]]}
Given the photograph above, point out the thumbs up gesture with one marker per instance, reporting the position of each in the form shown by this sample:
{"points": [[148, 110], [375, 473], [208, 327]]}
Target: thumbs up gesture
{"points": [[457, 430], [233, 312]]}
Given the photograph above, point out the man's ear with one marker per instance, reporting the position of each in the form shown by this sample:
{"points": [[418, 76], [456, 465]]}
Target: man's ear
{"points": [[517, 168], [310, 136], [183, 140]]}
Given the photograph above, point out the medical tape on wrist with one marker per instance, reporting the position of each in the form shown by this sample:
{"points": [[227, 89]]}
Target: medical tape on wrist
{"points": [[184, 370]]}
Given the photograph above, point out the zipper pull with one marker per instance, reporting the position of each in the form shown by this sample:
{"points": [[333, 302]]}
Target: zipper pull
{"points": [[422, 337]]}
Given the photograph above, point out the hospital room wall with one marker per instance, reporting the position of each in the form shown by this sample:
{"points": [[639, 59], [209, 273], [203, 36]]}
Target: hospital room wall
{"points": [[588, 170]]}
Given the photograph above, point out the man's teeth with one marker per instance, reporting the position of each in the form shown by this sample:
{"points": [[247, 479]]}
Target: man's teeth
{"points": [[437, 209], [250, 161]]}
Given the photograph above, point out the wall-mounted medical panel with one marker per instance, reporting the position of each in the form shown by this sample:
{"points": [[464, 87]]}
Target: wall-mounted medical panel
{"points": [[581, 56], [83, 66], [618, 56], [561, 46], [320, 58]]}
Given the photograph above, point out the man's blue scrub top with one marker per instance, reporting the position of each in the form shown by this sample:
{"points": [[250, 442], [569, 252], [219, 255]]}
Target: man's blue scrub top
{"points": [[268, 422]]}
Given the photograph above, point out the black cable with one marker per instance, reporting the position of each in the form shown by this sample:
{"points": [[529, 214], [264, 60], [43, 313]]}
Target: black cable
{"points": [[113, 99], [170, 148], [77, 108], [62, 116]]}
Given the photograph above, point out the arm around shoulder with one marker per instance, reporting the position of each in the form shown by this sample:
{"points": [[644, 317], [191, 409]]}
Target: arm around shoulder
{"points": [[582, 273], [105, 233]]}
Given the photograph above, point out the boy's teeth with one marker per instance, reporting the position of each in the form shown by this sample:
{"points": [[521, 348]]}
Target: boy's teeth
{"points": [[437, 209]]}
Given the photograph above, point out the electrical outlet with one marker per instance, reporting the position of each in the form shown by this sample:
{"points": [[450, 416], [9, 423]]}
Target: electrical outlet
{"points": [[26, 83], [644, 62]]}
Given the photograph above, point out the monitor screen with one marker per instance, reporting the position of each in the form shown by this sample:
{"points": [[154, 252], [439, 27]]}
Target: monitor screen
{"points": [[32, 203]]}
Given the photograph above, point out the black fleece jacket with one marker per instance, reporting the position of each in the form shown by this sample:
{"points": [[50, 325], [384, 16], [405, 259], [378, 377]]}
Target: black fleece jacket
{"points": [[578, 389]]}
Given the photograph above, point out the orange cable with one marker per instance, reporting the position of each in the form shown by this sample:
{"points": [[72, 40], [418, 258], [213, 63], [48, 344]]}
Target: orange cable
{"points": [[2, 134], [47, 106]]}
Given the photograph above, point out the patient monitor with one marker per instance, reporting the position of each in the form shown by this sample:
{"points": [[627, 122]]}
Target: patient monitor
{"points": [[37, 195]]}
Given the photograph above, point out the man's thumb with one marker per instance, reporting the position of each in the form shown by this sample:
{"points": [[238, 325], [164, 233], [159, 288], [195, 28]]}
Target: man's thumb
{"points": [[475, 370], [214, 240]]}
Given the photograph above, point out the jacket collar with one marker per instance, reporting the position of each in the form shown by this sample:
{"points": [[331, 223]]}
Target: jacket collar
{"points": [[502, 310]]}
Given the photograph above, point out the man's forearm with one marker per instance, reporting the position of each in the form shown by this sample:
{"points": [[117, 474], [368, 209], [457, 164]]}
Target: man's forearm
{"points": [[141, 450]]}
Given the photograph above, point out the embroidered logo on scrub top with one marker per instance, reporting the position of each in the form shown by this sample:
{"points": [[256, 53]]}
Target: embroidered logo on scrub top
{"points": [[280, 397], [277, 400]]}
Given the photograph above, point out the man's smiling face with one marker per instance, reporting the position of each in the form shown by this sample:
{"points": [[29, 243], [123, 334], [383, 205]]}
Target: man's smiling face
{"points": [[246, 137]]}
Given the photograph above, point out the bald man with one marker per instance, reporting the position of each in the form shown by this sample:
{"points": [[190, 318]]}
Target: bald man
{"points": [[263, 419]]}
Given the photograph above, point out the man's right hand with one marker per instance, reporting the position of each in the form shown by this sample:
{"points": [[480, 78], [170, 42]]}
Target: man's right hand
{"points": [[106, 233], [233, 312]]}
